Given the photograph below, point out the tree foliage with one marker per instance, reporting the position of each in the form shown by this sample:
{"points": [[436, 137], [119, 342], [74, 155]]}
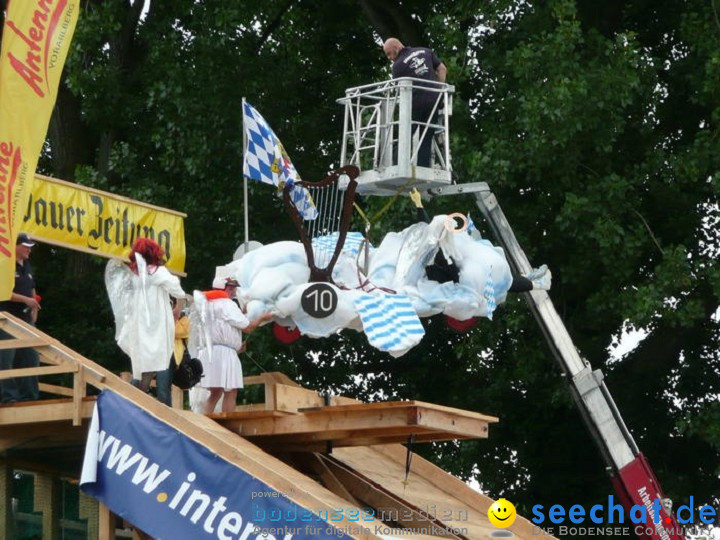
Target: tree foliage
{"points": [[595, 125]]}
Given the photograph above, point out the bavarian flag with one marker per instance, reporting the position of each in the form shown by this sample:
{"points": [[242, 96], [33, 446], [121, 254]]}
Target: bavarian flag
{"points": [[35, 42], [267, 161]]}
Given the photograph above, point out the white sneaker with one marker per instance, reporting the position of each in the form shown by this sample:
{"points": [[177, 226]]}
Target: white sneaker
{"points": [[541, 278]]}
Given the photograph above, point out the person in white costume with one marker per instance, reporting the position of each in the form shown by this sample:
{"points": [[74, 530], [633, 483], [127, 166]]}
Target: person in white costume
{"points": [[222, 326], [140, 298]]}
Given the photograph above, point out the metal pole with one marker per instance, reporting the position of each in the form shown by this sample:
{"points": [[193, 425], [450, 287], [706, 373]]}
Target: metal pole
{"points": [[246, 200]]}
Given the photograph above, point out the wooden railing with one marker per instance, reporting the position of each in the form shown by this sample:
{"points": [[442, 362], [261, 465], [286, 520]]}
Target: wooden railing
{"points": [[56, 358]]}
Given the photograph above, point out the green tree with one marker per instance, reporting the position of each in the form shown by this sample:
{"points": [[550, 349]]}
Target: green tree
{"points": [[596, 126]]}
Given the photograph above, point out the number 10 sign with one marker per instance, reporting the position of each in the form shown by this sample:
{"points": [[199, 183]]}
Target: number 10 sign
{"points": [[319, 300]]}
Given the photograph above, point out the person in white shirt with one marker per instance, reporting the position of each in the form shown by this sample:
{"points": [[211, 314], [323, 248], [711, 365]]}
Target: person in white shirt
{"points": [[224, 323]]}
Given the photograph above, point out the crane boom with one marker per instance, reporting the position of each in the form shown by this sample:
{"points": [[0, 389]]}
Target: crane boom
{"points": [[632, 477]]}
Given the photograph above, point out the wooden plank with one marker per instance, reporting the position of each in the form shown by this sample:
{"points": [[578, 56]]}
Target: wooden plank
{"points": [[55, 389], [405, 404], [249, 407], [279, 378], [30, 412], [269, 377], [299, 443], [253, 380], [313, 462], [13, 326], [40, 435], [46, 500], [78, 395], [450, 422], [429, 485], [177, 397], [292, 398], [375, 496], [357, 418], [106, 523], [21, 343], [31, 372], [259, 411]]}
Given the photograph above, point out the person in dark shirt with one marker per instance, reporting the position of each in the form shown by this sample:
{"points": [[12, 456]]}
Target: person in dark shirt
{"points": [[418, 63], [24, 305]]}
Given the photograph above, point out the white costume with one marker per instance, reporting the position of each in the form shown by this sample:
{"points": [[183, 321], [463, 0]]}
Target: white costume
{"points": [[144, 324], [221, 324], [273, 279]]}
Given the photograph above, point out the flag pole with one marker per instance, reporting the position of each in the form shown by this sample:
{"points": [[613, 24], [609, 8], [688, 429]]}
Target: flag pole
{"points": [[246, 201]]}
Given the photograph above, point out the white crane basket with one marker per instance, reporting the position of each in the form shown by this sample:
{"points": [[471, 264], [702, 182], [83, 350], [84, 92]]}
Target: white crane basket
{"points": [[382, 140]]}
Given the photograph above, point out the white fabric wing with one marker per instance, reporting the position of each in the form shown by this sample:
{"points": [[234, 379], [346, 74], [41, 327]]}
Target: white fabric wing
{"points": [[273, 278]]}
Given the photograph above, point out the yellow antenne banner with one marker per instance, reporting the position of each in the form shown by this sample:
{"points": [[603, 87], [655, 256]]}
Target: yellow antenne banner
{"points": [[35, 42], [93, 221]]}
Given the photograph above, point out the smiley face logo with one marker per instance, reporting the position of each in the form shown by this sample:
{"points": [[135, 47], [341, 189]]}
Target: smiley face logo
{"points": [[502, 513]]}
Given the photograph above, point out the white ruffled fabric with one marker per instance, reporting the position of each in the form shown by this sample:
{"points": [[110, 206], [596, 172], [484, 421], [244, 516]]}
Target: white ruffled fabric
{"points": [[273, 278], [144, 324]]}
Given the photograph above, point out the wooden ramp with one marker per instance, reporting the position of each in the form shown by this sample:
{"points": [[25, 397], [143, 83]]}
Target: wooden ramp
{"points": [[315, 451]]}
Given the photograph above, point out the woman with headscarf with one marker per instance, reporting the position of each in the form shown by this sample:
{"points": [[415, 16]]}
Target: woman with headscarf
{"points": [[140, 297]]}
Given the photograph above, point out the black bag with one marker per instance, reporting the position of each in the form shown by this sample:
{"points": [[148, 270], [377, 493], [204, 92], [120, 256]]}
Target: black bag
{"points": [[188, 373]]}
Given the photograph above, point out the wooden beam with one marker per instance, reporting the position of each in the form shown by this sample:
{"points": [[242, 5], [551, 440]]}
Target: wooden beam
{"points": [[30, 412], [314, 463], [78, 395], [372, 418], [32, 372], [46, 467], [106, 523], [22, 343], [298, 443], [6, 514], [292, 398], [429, 485], [394, 508], [55, 389], [177, 397], [46, 499]]}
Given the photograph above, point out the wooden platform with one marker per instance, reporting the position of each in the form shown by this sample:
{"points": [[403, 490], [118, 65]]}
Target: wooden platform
{"points": [[316, 450], [359, 424]]}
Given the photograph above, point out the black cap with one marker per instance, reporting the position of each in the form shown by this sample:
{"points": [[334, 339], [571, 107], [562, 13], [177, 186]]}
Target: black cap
{"points": [[25, 240]]}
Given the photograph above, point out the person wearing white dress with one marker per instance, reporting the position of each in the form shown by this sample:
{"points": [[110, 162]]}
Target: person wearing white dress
{"points": [[223, 324], [140, 298]]}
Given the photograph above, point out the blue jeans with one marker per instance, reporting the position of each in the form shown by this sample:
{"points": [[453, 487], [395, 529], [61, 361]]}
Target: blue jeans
{"points": [[163, 380], [19, 388]]}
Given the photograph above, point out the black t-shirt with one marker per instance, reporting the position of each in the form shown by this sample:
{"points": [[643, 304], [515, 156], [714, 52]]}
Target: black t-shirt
{"points": [[419, 63], [24, 284]]}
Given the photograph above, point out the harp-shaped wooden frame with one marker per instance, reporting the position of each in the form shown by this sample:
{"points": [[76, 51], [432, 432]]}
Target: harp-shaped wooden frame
{"points": [[324, 274]]}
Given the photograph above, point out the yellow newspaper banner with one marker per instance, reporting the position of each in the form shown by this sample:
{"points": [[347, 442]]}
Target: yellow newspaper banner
{"points": [[93, 221], [35, 42]]}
